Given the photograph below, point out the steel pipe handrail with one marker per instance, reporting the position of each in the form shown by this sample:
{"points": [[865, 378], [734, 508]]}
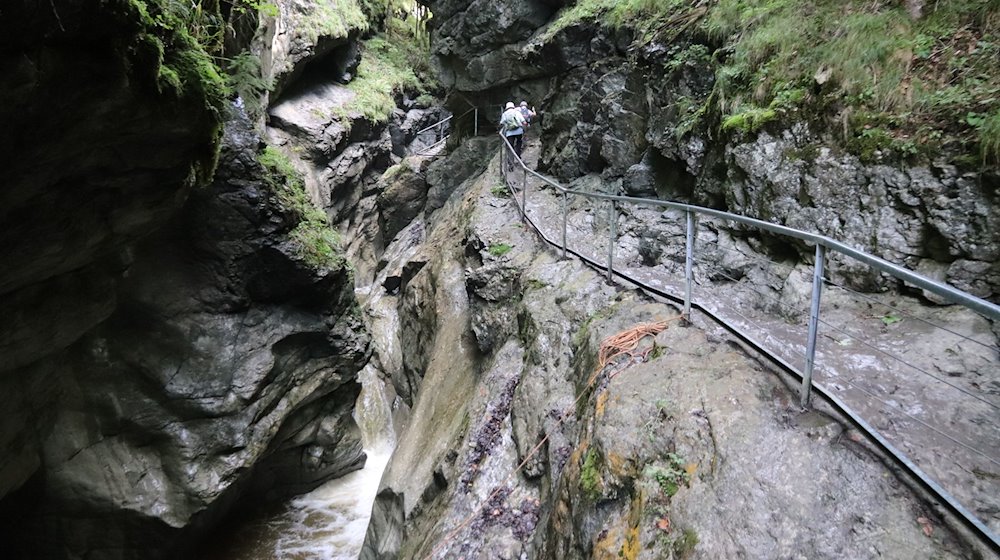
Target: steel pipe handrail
{"points": [[950, 293], [428, 149], [822, 243], [442, 121]]}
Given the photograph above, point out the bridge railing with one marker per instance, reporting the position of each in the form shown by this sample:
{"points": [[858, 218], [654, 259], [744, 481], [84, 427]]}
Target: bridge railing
{"points": [[440, 132], [778, 349]]}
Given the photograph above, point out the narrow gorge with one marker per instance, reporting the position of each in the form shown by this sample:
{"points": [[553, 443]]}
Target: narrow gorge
{"points": [[269, 271]]}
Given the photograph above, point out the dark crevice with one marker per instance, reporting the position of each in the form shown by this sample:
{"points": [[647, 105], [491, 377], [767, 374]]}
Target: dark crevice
{"points": [[935, 245], [338, 65], [673, 181]]}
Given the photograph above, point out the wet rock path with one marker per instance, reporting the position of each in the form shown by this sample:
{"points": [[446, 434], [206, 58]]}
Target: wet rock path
{"points": [[933, 393]]}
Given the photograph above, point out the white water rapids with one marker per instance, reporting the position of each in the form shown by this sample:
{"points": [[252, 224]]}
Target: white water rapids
{"points": [[330, 522]]}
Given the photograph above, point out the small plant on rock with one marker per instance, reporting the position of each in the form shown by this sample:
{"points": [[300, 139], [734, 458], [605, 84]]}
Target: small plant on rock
{"points": [[499, 249], [318, 244], [670, 476], [590, 475], [500, 190]]}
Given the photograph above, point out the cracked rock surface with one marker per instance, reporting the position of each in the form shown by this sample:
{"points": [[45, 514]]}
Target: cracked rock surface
{"points": [[695, 451]]}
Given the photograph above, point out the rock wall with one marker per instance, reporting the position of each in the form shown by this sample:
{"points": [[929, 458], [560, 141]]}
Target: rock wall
{"points": [[310, 32], [519, 445], [168, 355], [642, 111], [226, 372], [100, 148]]}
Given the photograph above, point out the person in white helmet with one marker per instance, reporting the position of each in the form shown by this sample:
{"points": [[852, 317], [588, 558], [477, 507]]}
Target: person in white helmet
{"points": [[528, 114], [512, 125]]}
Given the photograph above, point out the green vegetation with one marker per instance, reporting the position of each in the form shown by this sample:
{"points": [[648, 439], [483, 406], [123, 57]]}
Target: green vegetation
{"points": [[749, 119], [888, 83], [590, 475], [177, 49], [172, 53], [670, 476], [318, 244], [684, 545], [333, 18], [425, 100], [646, 15], [890, 319], [391, 63], [535, 284], [989, 139], [243, 76], [500, 190], [499, 249]]}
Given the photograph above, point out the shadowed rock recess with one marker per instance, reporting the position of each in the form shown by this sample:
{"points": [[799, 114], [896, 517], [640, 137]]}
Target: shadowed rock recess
{"points": [[168, 353]]}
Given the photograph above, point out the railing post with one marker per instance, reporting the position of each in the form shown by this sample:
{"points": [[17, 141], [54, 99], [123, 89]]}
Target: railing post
{"points": [[689, 265], [504, 158], [475, 123], [524, 188], [612, 226], [813, 323], [565, 214]]}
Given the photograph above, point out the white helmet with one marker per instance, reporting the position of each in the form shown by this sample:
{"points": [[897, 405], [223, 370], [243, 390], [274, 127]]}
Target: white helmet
{"points": [[510, 105]]}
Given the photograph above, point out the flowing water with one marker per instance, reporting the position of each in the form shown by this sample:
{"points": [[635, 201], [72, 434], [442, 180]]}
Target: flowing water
{"points": [[330, 522]]}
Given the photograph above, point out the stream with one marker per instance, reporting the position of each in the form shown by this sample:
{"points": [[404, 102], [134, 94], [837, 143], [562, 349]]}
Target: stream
{"points": [[330, 522]]}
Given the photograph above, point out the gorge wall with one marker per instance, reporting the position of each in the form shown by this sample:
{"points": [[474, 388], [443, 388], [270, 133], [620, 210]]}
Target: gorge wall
{"points": [[172, 348], [519, 445], [664, 100]]}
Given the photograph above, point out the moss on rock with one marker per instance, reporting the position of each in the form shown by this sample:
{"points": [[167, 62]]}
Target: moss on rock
{"points": [[317, 243], [930, 79]]}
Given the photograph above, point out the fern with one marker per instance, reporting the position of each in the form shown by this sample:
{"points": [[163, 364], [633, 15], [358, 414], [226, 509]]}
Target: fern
{"points": [[243, 76]]}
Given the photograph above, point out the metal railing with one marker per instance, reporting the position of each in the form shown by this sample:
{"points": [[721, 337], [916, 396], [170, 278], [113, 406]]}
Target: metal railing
{"points": [[442, 131], [511, 164]]}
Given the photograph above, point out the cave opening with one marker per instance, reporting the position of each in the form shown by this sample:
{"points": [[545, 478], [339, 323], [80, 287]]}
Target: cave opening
{"points": [[20, 530], [337, 65], [672, 179]]}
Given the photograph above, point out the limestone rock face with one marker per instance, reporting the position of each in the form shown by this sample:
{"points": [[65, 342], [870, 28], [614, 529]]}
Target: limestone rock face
{"points": [[339, 162], [520, 445], [446, 174], [226, 372], [309, 32], [99, 150], [609, 103], [476, 42]]}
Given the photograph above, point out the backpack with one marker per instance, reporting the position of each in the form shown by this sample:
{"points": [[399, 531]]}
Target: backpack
{"points": [[508, 121], [526, 113]]}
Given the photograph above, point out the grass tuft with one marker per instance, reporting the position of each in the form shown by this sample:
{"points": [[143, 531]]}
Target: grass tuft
{"points": [[332, 18], [863, 63], [391, 63], [499, 249], [318, 244], [989, 139]]}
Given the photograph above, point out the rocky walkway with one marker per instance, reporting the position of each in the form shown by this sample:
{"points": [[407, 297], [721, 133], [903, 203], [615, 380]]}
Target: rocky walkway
{"points": [[692, 451], [933, 393]]}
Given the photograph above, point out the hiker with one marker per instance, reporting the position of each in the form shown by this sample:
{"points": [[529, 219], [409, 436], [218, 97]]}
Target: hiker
{"points": [[528, 114], [512, 125]]}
